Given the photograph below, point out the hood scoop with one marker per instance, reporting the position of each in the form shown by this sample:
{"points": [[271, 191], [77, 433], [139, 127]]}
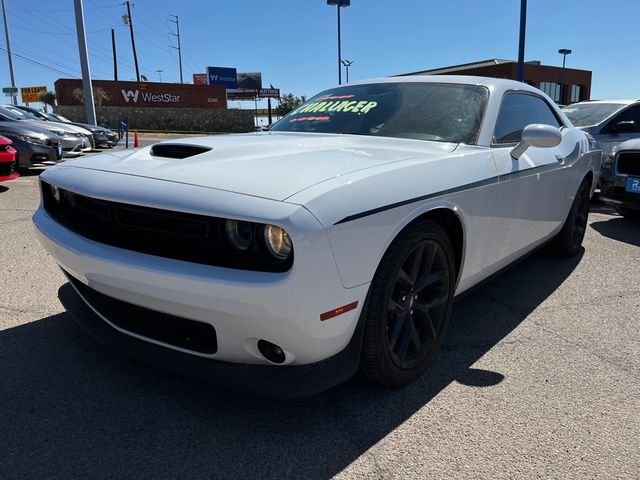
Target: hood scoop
{"points": [[177, 150]]}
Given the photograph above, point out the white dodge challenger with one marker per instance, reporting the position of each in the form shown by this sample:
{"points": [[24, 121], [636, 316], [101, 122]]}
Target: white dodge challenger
{"points": [[281, 262]]}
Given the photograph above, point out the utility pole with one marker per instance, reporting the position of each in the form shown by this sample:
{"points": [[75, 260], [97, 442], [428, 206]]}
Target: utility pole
{"points": [[84, 63], [14, 100], [115, 57], [129, 21], [177, 35], [159, 72]]}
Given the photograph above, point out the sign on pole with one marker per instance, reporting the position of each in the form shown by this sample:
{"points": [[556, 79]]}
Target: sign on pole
{"points": [[269, 93], [10, 90], [31, 94]]}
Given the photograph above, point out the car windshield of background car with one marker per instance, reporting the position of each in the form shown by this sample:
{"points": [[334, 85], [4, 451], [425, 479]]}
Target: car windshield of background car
{"points": [[583, 115], [422, 111]]}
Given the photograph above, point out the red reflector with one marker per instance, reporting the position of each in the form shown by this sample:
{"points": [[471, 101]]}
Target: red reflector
{"points": [[338, 311]]}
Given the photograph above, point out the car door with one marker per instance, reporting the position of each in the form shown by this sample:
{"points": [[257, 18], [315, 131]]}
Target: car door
{"points": [[532, 188], [608, 137]]}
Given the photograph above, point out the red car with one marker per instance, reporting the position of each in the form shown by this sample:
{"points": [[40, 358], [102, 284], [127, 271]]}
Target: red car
{"points": [[8, 160]]}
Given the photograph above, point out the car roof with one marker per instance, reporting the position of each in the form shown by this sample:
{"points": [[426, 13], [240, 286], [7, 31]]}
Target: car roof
{"points": [[615, 102]]}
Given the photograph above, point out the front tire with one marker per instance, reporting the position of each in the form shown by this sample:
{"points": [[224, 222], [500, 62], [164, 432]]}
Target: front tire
{"points": [[409, 307], [568, 241]]}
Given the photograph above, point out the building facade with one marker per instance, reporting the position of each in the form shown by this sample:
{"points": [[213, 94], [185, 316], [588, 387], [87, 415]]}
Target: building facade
{"points": [[564, 86]]}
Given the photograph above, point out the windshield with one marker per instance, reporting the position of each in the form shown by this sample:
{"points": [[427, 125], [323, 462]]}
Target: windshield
{"points": [[60, 117], [423, 111], [585, 114], [14, 114]]}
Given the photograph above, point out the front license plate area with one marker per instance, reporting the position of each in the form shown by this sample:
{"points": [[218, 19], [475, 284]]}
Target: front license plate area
{"points": [[633, 185]]}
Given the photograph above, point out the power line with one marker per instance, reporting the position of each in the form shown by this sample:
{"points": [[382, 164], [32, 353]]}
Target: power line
{"points": [[30, 60]]}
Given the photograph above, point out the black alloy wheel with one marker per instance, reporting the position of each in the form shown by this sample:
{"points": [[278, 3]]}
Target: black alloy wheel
{"points": [[409, 305], [417, 306], [568, 241]]}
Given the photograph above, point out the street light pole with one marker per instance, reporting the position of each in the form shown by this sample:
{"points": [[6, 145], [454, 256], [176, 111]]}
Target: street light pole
{"points": [[347, 64], [159, 72], [339, 4], [523, 28], [564, 52], [84, 63]]}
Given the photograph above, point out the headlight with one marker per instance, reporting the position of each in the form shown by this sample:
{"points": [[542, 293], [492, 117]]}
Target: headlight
{"points": [[33, 139], [239, 234], [277, 241], [55, 191]]}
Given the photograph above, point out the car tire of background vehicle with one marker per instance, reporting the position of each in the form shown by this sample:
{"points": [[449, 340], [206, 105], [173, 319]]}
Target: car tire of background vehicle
{"points": [[568, 241], [409, 305], [628, 213]]}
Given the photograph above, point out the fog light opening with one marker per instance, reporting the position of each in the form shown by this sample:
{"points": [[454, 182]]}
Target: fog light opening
{"points": [[271, 352]]}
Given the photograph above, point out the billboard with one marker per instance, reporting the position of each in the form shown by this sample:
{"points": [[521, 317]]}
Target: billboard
{"points": [[223, 76], [249, 81], [31, 94], [200, 79], [146, 94]]}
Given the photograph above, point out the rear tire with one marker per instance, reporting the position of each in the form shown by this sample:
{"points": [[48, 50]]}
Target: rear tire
{"points": [[409, 307], [568, 241]]}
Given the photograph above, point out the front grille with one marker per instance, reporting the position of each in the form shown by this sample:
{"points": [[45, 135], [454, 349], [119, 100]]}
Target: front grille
{"points": [[177, 331], [164, 233], [629, 163], [7, 168]]}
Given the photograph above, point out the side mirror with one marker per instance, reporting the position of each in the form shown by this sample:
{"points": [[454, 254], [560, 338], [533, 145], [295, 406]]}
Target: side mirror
{"points": [[624, 126], [537, 135]]}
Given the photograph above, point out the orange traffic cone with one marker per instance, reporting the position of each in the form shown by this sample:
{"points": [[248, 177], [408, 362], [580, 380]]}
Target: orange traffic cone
{"points": [[136, 142]]}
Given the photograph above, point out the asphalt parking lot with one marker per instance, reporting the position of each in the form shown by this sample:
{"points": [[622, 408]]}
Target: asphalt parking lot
{"points": [[539, 378]]}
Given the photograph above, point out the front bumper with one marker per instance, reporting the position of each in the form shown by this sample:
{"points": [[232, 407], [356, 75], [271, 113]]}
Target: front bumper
{"points": [[612, 190], [243, 306], [35, 155], [276, 382]]}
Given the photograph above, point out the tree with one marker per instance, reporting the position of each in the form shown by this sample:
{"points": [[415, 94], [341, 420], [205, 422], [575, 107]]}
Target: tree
{"points": [[289, 102], [48, 98], [99, 96]]}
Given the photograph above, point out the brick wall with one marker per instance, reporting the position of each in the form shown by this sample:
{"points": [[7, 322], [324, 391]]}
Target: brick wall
{"points": [[167, 119]]}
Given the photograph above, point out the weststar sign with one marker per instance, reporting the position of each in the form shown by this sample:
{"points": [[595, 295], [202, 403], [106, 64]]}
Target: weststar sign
{"points": [[145, 94]]}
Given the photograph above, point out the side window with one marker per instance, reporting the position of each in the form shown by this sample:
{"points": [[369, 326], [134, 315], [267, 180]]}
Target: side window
{"points": [[632, 113], [516, 112]]}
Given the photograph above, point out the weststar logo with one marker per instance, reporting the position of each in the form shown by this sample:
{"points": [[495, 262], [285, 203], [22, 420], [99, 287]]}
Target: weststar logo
{"points": [[133, 95], [130, 95]]}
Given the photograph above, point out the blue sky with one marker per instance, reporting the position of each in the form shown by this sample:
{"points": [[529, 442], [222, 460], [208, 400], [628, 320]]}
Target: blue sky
{"points": [[293, 42]]}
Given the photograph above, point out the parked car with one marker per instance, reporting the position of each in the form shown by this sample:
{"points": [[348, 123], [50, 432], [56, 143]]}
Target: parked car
{"points": [[283, 261], [34, 114], [609, 121], [36, 146], [71, 142], [103, 137], [620, 179], [8, 156]]}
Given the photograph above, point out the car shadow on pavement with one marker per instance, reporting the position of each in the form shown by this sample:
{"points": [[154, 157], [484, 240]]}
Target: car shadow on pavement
{"points": [[70, 408], [620, 228], [3, 188]]}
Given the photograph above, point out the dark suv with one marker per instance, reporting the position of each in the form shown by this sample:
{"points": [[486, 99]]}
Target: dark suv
{"points": [[620, 179]]}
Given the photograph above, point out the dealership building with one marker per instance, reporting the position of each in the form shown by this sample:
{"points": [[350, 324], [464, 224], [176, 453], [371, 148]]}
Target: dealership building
{"points": [[548, 78]]}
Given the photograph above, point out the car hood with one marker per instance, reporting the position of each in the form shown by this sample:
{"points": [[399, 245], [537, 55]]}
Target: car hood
{"points": [[24, 128], [51, 126], [269, 165]]}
